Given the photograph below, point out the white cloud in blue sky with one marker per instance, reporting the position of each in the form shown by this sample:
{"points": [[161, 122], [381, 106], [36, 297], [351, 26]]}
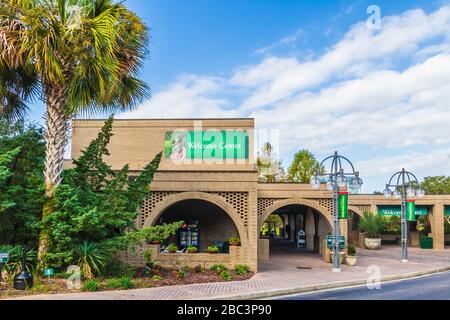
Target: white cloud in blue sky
{"points": [[380, 96]]}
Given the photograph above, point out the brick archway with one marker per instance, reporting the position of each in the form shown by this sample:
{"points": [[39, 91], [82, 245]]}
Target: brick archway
{"points": [[295, 201], [214, 199], [356, 210]]}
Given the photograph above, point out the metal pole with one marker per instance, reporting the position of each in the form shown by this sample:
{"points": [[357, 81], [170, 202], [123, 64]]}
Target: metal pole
{"points": [[404, 223], [336, 253]]}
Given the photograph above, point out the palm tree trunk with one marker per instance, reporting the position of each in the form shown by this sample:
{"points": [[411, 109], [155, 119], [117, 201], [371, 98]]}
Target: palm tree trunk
{"points": [[56, 139]]}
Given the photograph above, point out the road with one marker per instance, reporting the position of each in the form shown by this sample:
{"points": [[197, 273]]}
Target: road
{"points": [[434, 287]]}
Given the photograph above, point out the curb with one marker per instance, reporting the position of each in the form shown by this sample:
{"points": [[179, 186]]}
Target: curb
{"points": [[324, 286]]}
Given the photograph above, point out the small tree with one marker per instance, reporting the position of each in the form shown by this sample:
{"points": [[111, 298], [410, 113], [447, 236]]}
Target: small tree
{"points": [[269, 167], [303, 167], [372, 224]]}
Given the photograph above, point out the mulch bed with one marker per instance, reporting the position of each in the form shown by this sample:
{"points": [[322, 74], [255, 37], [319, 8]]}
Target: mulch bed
{"points": [[170, 277]]}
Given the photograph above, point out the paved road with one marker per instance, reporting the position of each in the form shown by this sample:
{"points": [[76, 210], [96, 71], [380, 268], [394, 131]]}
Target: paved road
{"points": [[435, 287]]}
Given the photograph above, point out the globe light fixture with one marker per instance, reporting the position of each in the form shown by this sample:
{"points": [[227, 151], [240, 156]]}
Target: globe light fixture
{"points": [[335, 179], [387, 193], [405, 185]]}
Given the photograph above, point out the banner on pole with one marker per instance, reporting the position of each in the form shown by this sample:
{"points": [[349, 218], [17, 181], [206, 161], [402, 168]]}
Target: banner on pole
{"points": [[410, 210], [343, 205]]}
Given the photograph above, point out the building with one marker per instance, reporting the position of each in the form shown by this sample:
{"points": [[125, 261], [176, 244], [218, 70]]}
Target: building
{"points": [[208, 179]]}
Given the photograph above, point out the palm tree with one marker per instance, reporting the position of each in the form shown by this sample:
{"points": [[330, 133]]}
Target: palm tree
{"points": [[78, 57]]}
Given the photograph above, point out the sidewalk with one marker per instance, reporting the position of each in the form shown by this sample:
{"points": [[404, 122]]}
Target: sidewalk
{"points": [[286, 274]]}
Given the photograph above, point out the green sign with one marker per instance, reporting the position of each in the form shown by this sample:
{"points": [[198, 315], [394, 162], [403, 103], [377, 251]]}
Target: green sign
{"points": [[330, 242], [410, 210], [397, 210], [343, 205], [447, 210], [4, 257], [208, 144], [48, 272]]}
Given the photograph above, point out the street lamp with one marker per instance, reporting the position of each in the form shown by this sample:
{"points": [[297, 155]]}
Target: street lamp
{"points": [[336, 178], [404, 185]]}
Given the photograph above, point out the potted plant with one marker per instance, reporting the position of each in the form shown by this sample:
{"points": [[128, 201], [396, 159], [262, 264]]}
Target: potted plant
{"points": [[213, 249], [172, 248], [191, 249], [351, 257], [234, 241], [373, 225]]}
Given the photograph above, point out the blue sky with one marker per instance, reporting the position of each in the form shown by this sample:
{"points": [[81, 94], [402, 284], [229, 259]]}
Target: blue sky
{"points": [[311, 70]]}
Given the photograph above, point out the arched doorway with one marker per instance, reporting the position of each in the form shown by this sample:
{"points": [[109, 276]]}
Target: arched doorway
{"points": [[297, 216]]}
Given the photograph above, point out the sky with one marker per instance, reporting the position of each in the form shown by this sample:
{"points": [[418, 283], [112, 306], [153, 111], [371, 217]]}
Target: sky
{"points": [[319, 75]]}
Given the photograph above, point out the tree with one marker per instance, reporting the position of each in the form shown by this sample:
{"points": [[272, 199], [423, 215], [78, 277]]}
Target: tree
{"points": [[93, 203], [23, 188], [78, 57], [269, 167], [436, 185], [303, 167]]}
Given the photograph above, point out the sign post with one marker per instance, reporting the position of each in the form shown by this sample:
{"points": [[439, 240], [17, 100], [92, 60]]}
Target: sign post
{"points": [[4, 258], [49, 272]]}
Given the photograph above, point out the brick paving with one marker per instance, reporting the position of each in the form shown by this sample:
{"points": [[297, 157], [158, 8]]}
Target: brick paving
{"points": [[282, 272]]}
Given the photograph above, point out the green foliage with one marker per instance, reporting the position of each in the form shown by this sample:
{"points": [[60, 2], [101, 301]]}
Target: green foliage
{"points": [[212, 249], [172, 247], [303, 167], [351, 250], [234, 241], [241, 269], [126, 283], [90, 258], [191, 249], [269, 167], [226, 275], [22, 151], [391, 225], [219, 267], [436, 185], [15, 258], [372, 224], [156, 278], [91, 285], [147, 255], [97, 204], [113, 283]]}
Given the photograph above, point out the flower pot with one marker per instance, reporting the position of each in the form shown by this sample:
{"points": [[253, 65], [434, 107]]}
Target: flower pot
{"points": [[373, 243], [155, 242], [351, 260]]}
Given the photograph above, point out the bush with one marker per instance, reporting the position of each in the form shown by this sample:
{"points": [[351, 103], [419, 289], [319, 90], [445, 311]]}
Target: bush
{"points": [[212, 249], [113, 284], [218, 267], [90, 258], [351, 251], [180, 273], [241, 269], [91, 285], [126, 283], [147, 255], [226, 275], [199, 269], [156, 278], [372, 224], [172, 248]]}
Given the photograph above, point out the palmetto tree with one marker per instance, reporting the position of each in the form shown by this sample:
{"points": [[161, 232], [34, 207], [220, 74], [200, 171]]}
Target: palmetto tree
{"points": [[77, 57]]}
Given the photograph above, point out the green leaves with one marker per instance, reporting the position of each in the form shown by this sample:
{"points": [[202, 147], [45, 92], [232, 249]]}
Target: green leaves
{"points": [[303, 167]]}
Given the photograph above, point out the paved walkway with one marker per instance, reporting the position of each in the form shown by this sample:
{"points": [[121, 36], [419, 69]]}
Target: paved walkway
{"points": [[289, 270]]}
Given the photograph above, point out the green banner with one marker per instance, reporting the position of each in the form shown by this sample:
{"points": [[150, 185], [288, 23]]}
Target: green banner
{"points": [[208, 144], [410, 210], [343, 205], [447, 210], [396, 210]]}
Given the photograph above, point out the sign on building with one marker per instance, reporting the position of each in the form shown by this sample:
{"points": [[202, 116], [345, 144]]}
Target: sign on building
{"points": [[397, 210]]}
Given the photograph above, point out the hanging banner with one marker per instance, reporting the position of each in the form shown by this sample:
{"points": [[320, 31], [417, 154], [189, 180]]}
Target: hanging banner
{"points": [[397, 210], [410, 210], [343, 205]]}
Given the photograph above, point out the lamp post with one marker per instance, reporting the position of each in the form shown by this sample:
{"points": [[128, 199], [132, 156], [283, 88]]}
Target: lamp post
{"points": [[404, 186], [336, 178]]}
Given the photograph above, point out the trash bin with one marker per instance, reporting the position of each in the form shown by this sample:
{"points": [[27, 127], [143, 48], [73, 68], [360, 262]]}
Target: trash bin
{"points": [[426, 243]]}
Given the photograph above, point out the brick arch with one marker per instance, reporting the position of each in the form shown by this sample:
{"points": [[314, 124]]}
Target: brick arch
{"points": [[293, 201], [356, 210], [214, 199]]}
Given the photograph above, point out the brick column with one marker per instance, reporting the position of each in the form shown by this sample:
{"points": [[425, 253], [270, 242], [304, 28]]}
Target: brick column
{"points": [[252, 229], [437, 225], [309, 229], [343, 224]]}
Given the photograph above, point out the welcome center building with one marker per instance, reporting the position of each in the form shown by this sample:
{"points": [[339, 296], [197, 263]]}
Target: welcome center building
{"points": [[208, 178]]}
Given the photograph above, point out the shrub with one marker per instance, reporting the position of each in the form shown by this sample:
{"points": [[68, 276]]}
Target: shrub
{"points": [[113, 284], [156, 278], [147, 255], [372, 224], [199, 269], [218, 267], [234, 241], [126, 283], [180, 273], [172, 248], [351, 251], [226, 275], [212, 249], [241, 269], [91, 285], [192, 249]]}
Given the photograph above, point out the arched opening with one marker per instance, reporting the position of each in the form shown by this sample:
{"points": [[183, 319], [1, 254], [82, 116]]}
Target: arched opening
{"points": [[293, 230], [207, 224], [447, 227], [353, 231]]}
